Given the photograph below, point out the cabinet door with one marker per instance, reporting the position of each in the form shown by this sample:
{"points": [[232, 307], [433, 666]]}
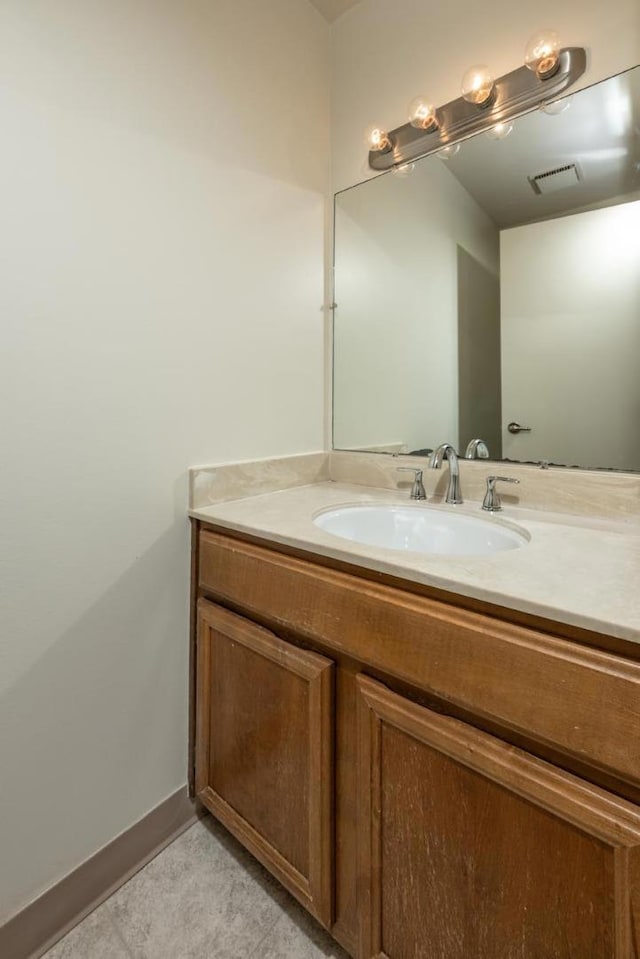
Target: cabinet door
{"points": [[264, 737], [468, 847]]}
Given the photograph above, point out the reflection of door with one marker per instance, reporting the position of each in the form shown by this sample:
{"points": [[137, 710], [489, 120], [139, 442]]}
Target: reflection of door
{"points": [[479, 391], [571, 338]]}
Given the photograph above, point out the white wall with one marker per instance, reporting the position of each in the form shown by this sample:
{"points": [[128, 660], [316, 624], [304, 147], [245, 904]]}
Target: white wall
{"points": [[163, 172], [385, 52], [396, 324], [570, 306]]}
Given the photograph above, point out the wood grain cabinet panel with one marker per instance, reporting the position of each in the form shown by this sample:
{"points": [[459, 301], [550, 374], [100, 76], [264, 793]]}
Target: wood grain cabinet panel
{"points": [[264, 739], [581, 701], [471, 849]]}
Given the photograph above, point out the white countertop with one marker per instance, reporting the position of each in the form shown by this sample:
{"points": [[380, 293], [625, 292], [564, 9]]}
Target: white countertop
{"points": [[584, 571]]}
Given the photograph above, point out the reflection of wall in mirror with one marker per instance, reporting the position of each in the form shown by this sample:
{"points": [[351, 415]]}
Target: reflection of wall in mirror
{"points": [[570, 292], [479, 378], [396, 350]]}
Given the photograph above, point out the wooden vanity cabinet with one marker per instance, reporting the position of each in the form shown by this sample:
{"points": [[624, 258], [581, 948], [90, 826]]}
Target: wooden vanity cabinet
{"points": [[469, 847], [264, 750], [386, 756]]}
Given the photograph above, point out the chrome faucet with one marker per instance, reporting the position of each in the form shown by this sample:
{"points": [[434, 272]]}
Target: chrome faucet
{"points": [[492, 501], [446, 451], [417, 490]]}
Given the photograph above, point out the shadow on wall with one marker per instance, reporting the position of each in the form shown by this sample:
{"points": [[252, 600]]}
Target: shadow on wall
{"points": [[114, 690]]}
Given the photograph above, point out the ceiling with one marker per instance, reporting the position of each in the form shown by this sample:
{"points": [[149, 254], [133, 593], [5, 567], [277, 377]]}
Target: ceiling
{"points": [[332, 9], [600, 133]]}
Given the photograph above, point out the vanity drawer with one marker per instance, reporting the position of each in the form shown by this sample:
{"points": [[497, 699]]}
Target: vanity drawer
{"points": [[580, 701]]}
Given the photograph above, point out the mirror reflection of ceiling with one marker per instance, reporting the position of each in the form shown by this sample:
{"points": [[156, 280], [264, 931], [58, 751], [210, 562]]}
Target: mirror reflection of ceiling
{"points": [[332, 9], [598, 133]]}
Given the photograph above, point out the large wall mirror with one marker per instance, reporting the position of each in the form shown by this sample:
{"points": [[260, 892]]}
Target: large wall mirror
{"points": [[494, 292]]}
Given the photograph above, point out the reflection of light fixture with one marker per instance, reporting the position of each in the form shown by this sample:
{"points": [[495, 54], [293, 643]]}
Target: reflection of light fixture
{"points": [[542, 54], [556, 107], [448, 152], [500, 130], [377, 139], [403, 171], [422, 115], [477, 85]]}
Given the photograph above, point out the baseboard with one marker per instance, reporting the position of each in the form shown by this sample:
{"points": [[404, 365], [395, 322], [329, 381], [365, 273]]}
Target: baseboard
{"points": [[37, 927]]}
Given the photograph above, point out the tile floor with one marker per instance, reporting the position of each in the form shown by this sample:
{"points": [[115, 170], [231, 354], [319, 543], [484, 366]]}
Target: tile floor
{"points": [[203, 897]]}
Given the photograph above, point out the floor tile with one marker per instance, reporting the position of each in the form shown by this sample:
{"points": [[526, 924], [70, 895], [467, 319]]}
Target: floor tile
{"points": [[96, 937], [203, 897], [297, 936]]}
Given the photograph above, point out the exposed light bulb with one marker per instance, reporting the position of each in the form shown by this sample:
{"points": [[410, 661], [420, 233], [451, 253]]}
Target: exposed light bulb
{"points": [[557, 107], [478, 85], [377, 139], [500, 131], [403, 170], [448, 152], [542, 53], [423, 115]]}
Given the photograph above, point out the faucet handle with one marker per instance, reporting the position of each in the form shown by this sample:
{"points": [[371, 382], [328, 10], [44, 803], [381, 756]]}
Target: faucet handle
{"points": [[417, 490], [492, 500]]}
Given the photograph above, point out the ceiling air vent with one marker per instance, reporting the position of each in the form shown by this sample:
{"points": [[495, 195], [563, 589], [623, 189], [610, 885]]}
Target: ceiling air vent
{"points": [[558, 179]]}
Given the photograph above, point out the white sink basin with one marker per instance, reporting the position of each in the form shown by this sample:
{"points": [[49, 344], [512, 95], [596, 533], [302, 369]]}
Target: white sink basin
{"points": [[421, 529]]}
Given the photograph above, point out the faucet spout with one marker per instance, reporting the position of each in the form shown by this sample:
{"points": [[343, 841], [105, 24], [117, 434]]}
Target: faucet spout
{"points": [[447, 451], [477, 450]]}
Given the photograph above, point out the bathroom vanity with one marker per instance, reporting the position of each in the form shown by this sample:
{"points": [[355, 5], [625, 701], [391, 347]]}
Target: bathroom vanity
{"points": [[429, 773], [439, 755]]}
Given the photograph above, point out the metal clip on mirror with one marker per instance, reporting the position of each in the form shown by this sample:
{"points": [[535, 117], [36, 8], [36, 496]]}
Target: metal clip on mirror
{"points": [[417, 490], [492, 500]]}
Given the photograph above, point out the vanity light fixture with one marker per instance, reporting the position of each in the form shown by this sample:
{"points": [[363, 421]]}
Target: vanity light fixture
{"points": [[423, 115], [542, 54], [486, 104], [478, 86], [377, 139]]}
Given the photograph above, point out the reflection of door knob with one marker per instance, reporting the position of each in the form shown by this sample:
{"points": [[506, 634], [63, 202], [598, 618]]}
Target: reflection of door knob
{"points": [[516, 428]]}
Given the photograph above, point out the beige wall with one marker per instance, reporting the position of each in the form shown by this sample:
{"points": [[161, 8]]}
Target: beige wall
{"points": [[385, 52], [163, 173]]}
